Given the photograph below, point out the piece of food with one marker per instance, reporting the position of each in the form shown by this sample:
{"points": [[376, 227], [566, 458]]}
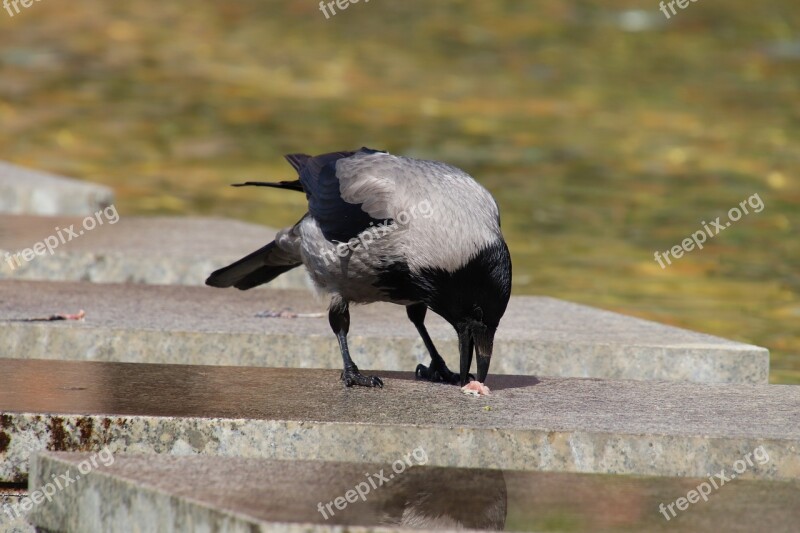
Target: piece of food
{"points": [[476, 388]]}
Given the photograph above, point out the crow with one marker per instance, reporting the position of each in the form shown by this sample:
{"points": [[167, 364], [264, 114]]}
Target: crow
{"points": [[385, 228]]}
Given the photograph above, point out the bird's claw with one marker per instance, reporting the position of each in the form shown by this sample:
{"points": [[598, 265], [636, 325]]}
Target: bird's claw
{"points": [[354, 377], [437, 375]]}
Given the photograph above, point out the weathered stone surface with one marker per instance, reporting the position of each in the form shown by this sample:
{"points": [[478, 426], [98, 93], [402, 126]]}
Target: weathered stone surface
{"points": [[26, 191], [235, 494], [13, 519], [157, 250], [203, 325], [571, 425]]}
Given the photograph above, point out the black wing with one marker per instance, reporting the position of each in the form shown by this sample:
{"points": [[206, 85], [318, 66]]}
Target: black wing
{"points": [[338, 219]]}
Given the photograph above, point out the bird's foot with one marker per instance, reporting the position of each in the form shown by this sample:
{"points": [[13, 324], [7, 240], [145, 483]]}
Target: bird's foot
{"points": [[352, 376], [438, 373]]}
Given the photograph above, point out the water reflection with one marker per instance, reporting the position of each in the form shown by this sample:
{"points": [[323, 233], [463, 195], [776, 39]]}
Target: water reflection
{"points": [[417, 497], [435, 498], [440, 498]]}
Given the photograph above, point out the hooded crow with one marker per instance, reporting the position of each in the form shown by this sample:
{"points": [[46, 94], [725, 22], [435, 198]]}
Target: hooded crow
{"points": [[385, 228]]}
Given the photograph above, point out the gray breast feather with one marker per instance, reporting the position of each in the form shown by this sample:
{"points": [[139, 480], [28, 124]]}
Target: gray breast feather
{"points": [[351, 271]]}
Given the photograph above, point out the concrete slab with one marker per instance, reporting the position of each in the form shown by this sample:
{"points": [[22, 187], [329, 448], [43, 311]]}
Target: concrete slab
{"points": [[157, 250], [163, 493], [203, 325], [26, 191], [568, 425]]}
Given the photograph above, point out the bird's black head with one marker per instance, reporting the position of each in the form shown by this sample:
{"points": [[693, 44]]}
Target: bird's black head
{"points": [[473, 299]]}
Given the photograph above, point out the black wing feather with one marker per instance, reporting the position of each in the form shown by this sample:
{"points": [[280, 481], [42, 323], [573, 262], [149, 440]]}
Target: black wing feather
{"points": [[338, 219], [298, 161]]}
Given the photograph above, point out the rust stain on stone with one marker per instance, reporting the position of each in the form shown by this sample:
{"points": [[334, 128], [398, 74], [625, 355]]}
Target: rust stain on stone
{"points": [[5, 421], [106, 424], [5, 440], [86, 427], [58, 437]]}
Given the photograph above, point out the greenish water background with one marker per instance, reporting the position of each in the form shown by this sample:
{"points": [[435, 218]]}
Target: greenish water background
{"points": [[605, 131]]}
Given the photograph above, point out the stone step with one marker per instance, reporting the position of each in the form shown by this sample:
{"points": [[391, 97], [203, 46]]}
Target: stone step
{"points": [[203, 325], [235, 494], [26, 191], [120, 249], [13, 519], [548, 424]]}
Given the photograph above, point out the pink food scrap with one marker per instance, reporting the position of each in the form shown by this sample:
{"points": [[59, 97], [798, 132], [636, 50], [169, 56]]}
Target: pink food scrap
{"points": [[476, 388]]}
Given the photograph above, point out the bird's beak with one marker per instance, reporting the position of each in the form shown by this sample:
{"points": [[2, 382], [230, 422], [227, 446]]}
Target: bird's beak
{"points": [[484, 342], [465, 346]]}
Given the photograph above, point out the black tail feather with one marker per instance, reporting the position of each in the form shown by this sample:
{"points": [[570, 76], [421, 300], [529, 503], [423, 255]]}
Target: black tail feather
{"points": [[261, 276], [290, 185], [250, 271]]}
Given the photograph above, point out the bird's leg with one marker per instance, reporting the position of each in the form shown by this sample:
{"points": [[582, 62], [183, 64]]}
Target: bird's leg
{"points": [[339, 318], [437, 371]]}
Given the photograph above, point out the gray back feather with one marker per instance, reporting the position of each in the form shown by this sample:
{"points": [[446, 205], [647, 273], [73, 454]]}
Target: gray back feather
{"points": [[461, 220]]}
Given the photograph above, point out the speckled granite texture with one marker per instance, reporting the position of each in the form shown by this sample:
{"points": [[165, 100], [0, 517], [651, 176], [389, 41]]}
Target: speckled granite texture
{"points": [[26, 191], [203, 325], [165, 493], [155, 250], [572, 425]]}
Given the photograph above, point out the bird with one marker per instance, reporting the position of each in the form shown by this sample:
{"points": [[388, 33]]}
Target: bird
{"points": [[388, 228]]}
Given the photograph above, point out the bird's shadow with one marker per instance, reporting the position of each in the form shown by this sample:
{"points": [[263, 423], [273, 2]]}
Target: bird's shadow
{"points": [[502, 382], [496, 382]]}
